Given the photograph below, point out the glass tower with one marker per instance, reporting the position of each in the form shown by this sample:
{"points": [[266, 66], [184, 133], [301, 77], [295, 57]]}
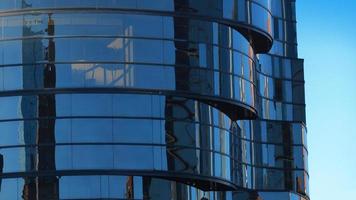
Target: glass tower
{"points": [[151, 100]]}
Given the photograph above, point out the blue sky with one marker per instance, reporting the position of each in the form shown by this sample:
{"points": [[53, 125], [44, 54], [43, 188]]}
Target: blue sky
{"points": [[327, 42]]}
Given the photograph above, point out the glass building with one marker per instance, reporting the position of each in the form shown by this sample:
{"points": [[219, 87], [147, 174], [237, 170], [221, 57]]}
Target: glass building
{"points": [[151, 99]]}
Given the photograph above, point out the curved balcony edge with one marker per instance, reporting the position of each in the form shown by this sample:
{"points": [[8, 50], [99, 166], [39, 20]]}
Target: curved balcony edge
{"points": [[234, 109], [260, 39], [205, 183]]}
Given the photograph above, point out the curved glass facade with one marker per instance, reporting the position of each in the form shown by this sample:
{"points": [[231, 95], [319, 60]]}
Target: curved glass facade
{"points": [[168, 99]]}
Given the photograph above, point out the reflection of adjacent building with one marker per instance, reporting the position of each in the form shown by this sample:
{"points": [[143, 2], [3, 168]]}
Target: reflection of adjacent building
{"points": [[29, 106], [129, 188], [103, 74], [114, 75], [39, 134]]}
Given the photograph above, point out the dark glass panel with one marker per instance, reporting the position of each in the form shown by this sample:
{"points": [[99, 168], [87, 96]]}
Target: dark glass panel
{"points": [[298, 92], [92, 156], [132, 105], [274, 195], [94, 105], [138, 131], [140, 157], [92, 130]]}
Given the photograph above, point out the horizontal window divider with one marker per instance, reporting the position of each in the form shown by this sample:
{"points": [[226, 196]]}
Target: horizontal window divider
{"points": [[147, 144], [115, 118], [77, 117], [277, 78], [140, 117], [114, 172], [179, 177], [284, 19], [246, 54], [292, 120], [31, 10], [283, 57], [167, 146], [284, 121], [285, 42], [110, 91], [216, 100], [154, 119], [272, 143], [8, 174], [134, 63], [283, 102]]}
